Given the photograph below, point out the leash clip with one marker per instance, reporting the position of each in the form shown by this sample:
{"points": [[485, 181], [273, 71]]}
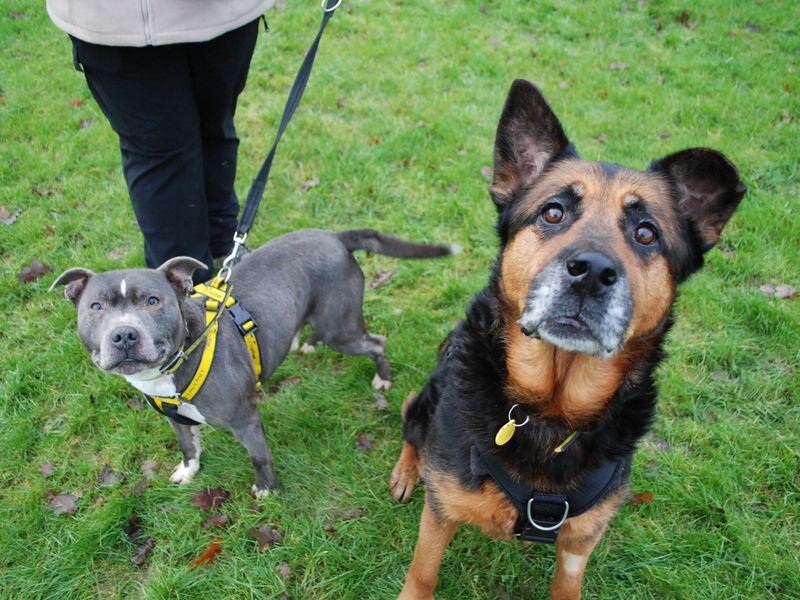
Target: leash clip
{"points": [[225, 270], [326, 9]]}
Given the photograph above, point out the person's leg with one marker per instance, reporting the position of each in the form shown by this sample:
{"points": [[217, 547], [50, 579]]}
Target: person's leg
{"points": [[147, 96], [219, 72]]}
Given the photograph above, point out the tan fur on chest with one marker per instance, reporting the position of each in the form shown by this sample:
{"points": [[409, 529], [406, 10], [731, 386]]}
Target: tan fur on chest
{"points": [[488, 509]]}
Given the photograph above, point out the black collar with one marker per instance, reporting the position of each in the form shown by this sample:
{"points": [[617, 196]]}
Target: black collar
{"points": [[541, 514]]}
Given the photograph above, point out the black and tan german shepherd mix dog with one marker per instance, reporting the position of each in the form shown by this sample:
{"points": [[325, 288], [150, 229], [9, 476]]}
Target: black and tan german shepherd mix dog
{"points": [[561, 345]]}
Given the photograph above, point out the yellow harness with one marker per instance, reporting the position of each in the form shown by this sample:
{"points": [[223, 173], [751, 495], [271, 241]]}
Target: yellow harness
{"points": [[218, 298]]}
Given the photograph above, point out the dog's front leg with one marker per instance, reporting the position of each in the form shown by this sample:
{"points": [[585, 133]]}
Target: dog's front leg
{"points": [[434, 537], [575, 543], [189, 442], [250, 433]]}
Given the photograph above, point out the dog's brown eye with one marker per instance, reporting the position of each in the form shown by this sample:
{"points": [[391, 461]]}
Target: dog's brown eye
{"points": [[553, 213], [645, 234]]}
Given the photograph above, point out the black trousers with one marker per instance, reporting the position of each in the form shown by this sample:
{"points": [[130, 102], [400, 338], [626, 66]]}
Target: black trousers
{"points": [[172, 107]]}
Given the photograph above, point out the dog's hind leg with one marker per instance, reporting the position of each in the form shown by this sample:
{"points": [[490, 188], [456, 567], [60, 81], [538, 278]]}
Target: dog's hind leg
{"points": [[367, 344], [189, 442], [405, 474], [250, 432], [434, 537]]}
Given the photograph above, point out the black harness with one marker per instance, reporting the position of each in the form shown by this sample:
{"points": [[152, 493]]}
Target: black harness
{"points": [[542, 514]]}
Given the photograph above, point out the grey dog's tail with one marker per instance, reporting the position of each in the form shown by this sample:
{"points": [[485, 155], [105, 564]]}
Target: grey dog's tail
{"points": [[372, 240]]}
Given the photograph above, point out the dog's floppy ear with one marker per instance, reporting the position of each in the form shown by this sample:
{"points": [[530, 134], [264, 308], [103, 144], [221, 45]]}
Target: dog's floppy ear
{"points": [[75, 279], [528, 136], [179, 272], [708, 186]]}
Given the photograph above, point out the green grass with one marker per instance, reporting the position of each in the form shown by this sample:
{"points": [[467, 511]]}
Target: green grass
{"points": [[398, 120]]}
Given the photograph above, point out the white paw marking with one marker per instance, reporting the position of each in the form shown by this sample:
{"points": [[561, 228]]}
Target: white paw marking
{"points": [[307, 349], [183, 474], [381, 384], [259, 494], [295, 343]]}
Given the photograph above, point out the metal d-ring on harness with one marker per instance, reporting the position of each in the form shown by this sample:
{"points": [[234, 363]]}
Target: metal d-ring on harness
{"points": [[542, 514]]}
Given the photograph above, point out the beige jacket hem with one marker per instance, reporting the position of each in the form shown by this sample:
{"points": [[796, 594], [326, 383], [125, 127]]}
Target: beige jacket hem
{"points": [[152, 22]]}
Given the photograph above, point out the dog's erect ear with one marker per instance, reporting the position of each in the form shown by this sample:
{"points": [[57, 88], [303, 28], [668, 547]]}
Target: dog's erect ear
{"points": [[179, 272], [528, 136], [709, 189], [75, 279]]}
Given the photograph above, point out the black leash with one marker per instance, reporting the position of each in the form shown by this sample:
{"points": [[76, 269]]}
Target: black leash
{"points": [[260, 182]]}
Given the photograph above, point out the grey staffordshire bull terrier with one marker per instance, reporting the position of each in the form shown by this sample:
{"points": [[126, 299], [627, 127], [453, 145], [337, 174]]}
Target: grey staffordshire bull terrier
{"points": [[132, 321]]}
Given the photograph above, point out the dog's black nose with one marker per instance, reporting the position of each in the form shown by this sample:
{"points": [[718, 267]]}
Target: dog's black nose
{"points": [[593, 271], [124, 338]]}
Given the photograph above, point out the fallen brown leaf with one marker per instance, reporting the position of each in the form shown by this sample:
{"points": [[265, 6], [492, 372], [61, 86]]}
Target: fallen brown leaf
{"points": [[209, 555], [351, 513], [108, 478], [149, 468], [380, 279], [217, 521], [7, 216], [135, 404], [785, 292], [782, 291], [47, 469], [63, 504], [364, 442], [307, 185], [285, 382], [34, 271], [133, 529], [142, 551], [76, 102], [210, 498], [330, 530], [618, 66], [285, 570], [601, 138], [137, 489], [266, 536], [641, 498], [85, 123], [486, 172]]}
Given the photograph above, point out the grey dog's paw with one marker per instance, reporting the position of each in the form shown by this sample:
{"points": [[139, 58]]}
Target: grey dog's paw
{"points": [[381, 384], [183, 474], [259, 494]]}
